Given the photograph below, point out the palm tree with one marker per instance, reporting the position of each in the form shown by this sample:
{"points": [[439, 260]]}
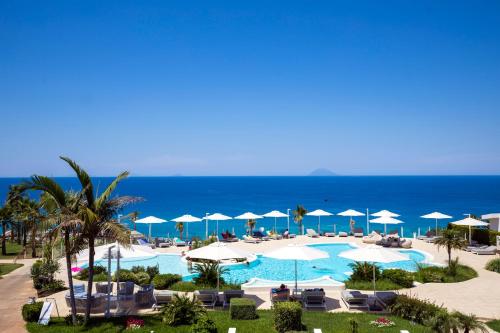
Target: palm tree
{"points": [[133, 217], [251, 224], [451, 240], [469, 323], [298, 216], [64, 207], [5, 214], [179, 226], [98, 215]]}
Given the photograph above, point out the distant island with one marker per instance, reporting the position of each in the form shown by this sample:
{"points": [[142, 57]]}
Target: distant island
{"points": [[323, 172]]}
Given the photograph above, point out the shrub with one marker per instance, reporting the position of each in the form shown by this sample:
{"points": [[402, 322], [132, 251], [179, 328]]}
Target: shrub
{"points": [[287, 316], [493, 265], [207, 274], [353, 325], [153, 271], [137, 269], [98, 270], [413, 309], [186, 286], [182, 310], [42, 272], [363, 271], [31, 312], [80, 319], [242, 308], [164, 281], [53, 286], [399, 276], [125, 275], [204, 325], [142, 278]]}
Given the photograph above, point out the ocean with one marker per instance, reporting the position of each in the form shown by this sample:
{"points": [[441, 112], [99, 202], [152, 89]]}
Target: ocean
{"points": [[409, 196]]}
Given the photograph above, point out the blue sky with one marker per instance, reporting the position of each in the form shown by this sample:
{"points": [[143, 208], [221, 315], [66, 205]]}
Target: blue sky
{"points": [[250, 87]]}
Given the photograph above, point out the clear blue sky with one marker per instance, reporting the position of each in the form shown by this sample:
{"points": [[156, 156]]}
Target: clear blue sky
{"points": [[250, 87]]}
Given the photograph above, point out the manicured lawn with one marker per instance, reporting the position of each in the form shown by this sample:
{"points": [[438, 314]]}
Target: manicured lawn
{"points": [[13, 249], [439, 274], [7, 268], [328, 322], [494, 325], [383, 284]]}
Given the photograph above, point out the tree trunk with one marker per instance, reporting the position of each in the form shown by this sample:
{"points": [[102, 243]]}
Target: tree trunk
{"points": [[91, 278], [33, 243], [449, 256], [67, 249], [4, 245], [18, 227], [25, 237]]}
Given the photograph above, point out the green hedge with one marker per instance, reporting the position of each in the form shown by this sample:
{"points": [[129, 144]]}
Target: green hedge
{"points": [[287, 316], [165, 281], [399, 277], [413, 309], [482, 236], [31, 312], [204, 325], [493, 265], [242, 308]]}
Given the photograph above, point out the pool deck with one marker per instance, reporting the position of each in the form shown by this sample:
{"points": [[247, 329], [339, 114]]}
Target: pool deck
{"points": [[480, 296]]}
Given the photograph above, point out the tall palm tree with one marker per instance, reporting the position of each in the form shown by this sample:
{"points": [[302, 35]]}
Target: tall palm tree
{"points": [[133, 217], [298, 216], [451, 240], [98, 214], [179, 226], [64, 207], [251, 224], [5, 217]]}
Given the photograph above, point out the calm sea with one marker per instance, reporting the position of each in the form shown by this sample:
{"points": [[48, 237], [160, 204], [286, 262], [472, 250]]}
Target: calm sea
{"points": [[170, 197]]}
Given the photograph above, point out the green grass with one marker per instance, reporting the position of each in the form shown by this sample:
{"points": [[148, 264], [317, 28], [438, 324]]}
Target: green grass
{"points": [[494, 325], [7, 268], [381, 284], [328, 322], [13, 249], [440, 275], [188, 286]]}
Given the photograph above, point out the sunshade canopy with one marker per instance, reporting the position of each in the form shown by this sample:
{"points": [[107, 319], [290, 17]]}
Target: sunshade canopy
{"points": [[385, 213], [374, 254], [187, 218], [275, 213], [469, 221], [386, 220], [218, 217], [351, 212], [319, 212], [217, 251], [297, 252], [132, 251], [150, 220], [436, 216], [248, 216]]}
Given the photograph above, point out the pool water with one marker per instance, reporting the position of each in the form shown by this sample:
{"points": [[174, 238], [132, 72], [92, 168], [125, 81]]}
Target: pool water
{"points": [[334, 267]]}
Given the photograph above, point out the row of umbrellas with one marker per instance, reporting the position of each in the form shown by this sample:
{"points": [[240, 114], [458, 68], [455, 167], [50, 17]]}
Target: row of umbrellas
{"points": [[384, 217]]}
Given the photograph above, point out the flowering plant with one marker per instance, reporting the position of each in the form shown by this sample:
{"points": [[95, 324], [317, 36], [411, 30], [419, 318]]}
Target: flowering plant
{"points": [[134, 323], [382, 322], [75, 269]]}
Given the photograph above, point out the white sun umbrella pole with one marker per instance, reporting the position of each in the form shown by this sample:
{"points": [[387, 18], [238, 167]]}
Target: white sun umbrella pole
{"points": [[470, 222], [296, 252], [217, 252], [385, 220], [319, 213], [150, 220], [436, 216], [187, 219], [217, 217], [275, 214], [373, 254]]}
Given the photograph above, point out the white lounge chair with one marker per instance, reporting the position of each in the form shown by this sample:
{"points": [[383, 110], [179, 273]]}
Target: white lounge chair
{"points": [[488, 250], [231, 330], [342, 234], [312, 233], [317, 330], [250, 239]]}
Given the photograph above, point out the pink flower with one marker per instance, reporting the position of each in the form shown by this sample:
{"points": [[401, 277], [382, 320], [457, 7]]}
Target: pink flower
{"points": [[75, 269]]}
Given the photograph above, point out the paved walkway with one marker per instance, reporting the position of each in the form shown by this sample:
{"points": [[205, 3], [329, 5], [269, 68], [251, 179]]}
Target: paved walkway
{"points": [[15, 288]]}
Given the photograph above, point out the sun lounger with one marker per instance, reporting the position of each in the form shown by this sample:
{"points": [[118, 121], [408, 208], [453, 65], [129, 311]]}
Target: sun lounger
{"points": [[208, 298], [98, 302], [102, 287], [488, 250], [279, 295], [358, 232], [354, 300], [228, 294], [231, 330], [317, 330], [312, 233], [342, 234], [250, 239], [329, 234], [405, 243], [314, 299], [260, 235], [179, 242], [274, 235], [386, 297], [144, 296], [126, 290], [163, 297], [372, 238]]}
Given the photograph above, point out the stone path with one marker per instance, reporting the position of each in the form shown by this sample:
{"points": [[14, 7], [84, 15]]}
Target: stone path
{"points": [[15, 288]]}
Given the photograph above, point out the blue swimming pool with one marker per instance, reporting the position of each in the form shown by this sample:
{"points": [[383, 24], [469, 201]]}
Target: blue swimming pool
{"points": [[334, 267]]}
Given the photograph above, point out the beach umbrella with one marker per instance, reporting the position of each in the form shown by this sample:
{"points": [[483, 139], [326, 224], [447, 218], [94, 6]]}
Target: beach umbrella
{"points": [[187, 219], [216, 252], [150, 220], [217, 217], [297, 252], [351, 213], [470, 222], [248, 216], [101, 252], [319, 213], [436, 216], [275, 214], [385, 220], [385, 212], [373, 254]]}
